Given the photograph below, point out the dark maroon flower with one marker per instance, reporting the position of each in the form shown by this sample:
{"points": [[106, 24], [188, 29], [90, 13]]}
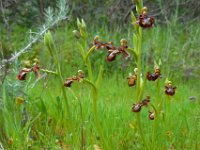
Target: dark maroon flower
{"points": [[132, 80], [151, 115], [78, 78], [111, 57], [98, 45], [112, 54], [68, 82], [22, 74], [154, 76], [80, 75], [112, 50], [101, 45], [146, 101], [35, 69], [115, 51], [144, 20], [109, 46], [170, 89], [136, 107]]}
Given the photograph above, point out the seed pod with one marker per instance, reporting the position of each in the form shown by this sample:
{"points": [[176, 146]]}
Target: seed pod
{"points": [[136, 108]]}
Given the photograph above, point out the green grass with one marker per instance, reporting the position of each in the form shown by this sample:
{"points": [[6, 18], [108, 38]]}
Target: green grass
{"points": [[41, 122], [46, 118]]}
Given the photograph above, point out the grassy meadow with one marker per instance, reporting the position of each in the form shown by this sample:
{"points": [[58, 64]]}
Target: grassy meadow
{"points": [[96, 112]]}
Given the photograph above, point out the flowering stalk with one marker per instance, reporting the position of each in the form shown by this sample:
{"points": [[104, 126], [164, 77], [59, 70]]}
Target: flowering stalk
{"points": [[88, 63], [137, 39], [156, 113], [85, 54], [94, 98], [48, 40]]}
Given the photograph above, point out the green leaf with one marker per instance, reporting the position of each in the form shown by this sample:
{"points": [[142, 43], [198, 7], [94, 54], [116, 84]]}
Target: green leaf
{"points": [[89, 52], [135, 41], [81, 50], [48, 41], [134, 19], [99, 76], [134, 53], [78, 23], [90, 83]]}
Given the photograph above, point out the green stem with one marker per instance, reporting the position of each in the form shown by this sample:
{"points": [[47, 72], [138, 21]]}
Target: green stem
{"points": [[96, 119], [156, 114], [49, 71], [82, 120], [48, 40], [94, 90], [89, 68], [139, 90], [88, 63], [139, 44], [58, 70]]}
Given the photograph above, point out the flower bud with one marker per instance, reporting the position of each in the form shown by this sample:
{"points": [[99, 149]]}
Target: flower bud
{"points": [[136, 70], [79, 23], [132, 80], [76, 34], [144, 10], [10, 141], [123, 42], [26, 63], [83, 24], [48, 41], [19, 100]]}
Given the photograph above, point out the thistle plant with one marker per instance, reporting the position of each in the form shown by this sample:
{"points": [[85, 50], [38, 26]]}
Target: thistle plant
{"points": [[53, 18]]}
